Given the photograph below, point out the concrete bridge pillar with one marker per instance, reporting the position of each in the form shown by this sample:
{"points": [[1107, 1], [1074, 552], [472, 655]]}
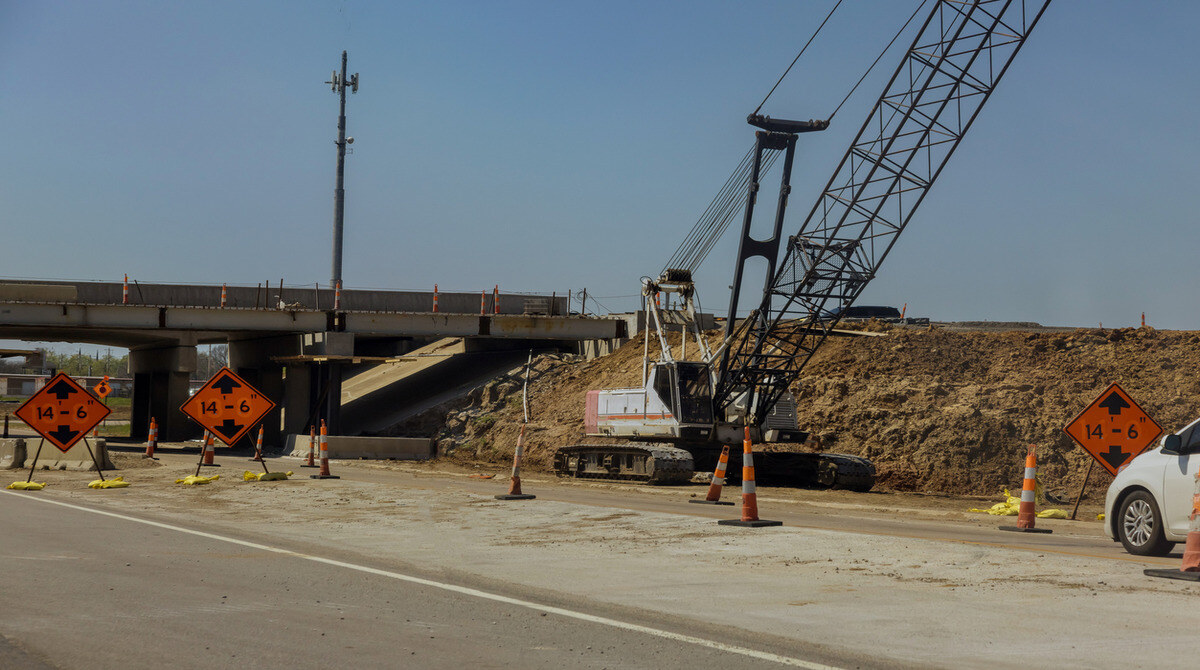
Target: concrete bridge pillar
{"points": [[251, 358], [160, 386]]}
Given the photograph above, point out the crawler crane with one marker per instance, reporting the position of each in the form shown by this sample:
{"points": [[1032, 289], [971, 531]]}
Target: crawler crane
{"points": [[687, 409]]}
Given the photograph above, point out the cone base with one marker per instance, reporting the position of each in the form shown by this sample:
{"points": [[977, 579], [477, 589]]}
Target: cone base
{"points": [[324, 477], [757, 523], [1173, 574], [210, 465], [153, 458], [516, 496], [256, 460], [1026, 530], [309, 466], [709, 502]]}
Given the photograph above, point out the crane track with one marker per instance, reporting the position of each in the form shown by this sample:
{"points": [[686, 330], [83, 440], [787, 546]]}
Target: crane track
{"points": [[653, 463]]}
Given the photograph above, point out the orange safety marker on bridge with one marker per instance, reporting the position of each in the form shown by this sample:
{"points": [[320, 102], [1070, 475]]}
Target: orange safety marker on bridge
{"points": [[496, 300], [514, 487], [324, 445], [224, 296], [718, 482], [258, 446], [483, 302], [1026, 513], [337, 296], [151, 439], [125, 291], [1190, 569], [312, 447], [435, 298], [749, 492]]}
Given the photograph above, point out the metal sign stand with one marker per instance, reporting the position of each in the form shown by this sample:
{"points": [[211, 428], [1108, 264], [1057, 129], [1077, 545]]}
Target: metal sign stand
{"points": [[93, 455], [36, 455], [1086, 477]]}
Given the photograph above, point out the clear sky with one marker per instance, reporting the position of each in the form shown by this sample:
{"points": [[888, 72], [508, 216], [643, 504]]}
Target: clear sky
{"points": [[552, 146]]}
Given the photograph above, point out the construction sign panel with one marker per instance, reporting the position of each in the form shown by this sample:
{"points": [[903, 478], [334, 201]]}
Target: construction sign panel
{"points": [[1113, 429], [62, 412], [102, 389], [228, 406]]}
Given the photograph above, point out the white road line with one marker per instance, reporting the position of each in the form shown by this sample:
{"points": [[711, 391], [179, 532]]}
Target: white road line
{"points": [[580, 616]]}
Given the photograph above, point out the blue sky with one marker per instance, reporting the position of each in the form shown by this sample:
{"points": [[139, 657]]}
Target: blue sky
{"points": [[552, 146]]}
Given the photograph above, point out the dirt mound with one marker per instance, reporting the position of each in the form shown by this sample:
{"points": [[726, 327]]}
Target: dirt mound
{"points": [[936, 410]]}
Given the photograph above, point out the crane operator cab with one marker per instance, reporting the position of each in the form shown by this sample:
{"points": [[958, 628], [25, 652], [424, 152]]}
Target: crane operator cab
{"points": [[676, 404]]}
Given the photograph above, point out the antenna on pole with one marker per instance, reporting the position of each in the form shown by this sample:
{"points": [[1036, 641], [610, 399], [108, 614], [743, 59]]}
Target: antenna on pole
{"points": [[338, 83]]}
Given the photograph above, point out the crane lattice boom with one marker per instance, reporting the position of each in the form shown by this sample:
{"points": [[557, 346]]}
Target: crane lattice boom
{"points": [[957, 59]]}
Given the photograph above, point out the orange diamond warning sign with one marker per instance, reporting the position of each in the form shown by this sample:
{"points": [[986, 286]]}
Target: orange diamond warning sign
{"points": [[1113, 429], [62, 412], [103, 388], [228, 406]]}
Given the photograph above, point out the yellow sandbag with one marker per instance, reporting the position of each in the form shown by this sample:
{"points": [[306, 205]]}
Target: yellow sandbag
{"points": [[115, 483], [1051, 514], [27, 486], [1100, 516], [196, 480], [265, 476]]}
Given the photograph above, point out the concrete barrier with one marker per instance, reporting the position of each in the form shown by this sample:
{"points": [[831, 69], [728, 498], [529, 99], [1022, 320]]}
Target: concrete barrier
{"points": [[380, 448], [12, 453], [76, 458]]}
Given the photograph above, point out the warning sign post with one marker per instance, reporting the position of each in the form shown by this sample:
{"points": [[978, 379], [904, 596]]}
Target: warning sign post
{"points": [[1113, 429], [228, 407], [63, 412]]}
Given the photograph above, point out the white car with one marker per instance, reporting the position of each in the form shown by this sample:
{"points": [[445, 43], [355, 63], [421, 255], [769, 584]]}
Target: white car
{"points": [[1148, 503]]}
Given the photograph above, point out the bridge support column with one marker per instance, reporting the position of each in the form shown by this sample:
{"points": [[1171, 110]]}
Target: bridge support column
{"points": [[251, 359], [160, 386]]}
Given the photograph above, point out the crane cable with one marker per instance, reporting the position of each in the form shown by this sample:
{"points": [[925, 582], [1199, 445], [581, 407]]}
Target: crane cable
{"points": [[877, 58], [802, 50], [713, 223]]}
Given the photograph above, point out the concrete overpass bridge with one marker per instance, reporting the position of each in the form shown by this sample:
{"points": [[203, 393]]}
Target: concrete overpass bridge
{"points": [[292, 343]]}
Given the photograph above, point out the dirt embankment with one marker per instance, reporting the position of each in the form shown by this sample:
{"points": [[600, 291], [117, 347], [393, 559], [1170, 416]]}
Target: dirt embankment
{"points": [[937, 411]]}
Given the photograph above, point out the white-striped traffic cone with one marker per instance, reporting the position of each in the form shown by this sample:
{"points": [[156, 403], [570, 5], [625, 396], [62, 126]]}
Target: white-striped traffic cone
{"points": [[749, 492], [514, 487], [718, 482], [258, 446], [1190, 569], [312, 447], [151, 439], [324, 445], [1027, 512], [210, 451]]}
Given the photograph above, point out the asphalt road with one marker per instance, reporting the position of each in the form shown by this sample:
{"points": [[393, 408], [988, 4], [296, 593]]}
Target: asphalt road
{"points": [[89, 590]]}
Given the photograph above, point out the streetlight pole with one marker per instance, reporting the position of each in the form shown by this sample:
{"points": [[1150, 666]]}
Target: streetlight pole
{"points": [[338, 83]]}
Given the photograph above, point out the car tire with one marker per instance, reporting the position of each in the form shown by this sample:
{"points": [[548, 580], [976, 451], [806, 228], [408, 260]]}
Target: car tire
{"points": [[1140, 527]]}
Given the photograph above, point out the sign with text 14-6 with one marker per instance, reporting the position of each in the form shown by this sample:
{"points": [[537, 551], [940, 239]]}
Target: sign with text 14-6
{"points": [[228, 406], [1113, 429], [62, 412]]}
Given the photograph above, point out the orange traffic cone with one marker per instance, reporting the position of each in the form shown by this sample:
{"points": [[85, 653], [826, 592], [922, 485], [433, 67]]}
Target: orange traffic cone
{"points": [[210, 451], [749, 496], [324, 445], [258, 446], [718, 482], [151, 439], [1026, 513], [312, 446], [514, 487], [1190, 569]]}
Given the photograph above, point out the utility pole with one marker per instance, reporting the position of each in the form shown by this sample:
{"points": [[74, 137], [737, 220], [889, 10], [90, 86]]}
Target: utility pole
{"points": [[338, 84]]}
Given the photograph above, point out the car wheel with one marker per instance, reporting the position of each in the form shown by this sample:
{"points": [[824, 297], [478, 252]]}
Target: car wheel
{"points": [[1140, 527]]}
